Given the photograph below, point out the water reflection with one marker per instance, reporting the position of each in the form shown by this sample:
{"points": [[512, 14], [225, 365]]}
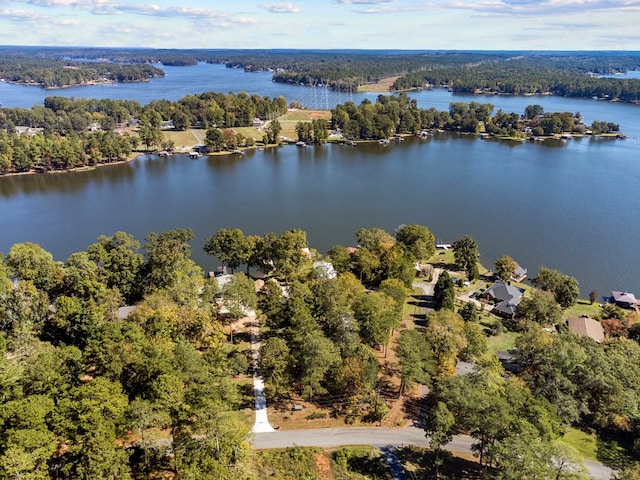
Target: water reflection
{"points": [[66, 182]]}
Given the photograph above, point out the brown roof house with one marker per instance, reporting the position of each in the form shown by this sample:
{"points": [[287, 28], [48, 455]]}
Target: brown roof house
{"points": [[586, 327]]}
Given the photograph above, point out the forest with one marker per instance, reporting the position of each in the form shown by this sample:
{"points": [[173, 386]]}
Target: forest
{"points": [[157, 390], [69, 133], [399, 114], [53, 73], [526, 76], [515, 73]]}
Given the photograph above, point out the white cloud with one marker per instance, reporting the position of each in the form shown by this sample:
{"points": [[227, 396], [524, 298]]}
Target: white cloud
{"points": [[28, 16], [287, 7], [363, 2]]}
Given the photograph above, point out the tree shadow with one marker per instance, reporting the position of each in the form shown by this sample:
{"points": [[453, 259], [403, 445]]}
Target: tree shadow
{"points": [[416, 408], [422, 463]]}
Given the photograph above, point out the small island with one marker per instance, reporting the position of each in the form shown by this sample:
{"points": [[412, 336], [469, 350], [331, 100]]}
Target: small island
{"points": [[57, 73]]}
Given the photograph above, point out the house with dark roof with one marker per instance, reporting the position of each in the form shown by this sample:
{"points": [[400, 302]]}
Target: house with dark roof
{"points": [[586, 327], [624, 299], [506, 299], [520, 274]]}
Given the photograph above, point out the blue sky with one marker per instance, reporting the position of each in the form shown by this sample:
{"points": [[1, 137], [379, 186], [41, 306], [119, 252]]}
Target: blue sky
{"points": [[363, 24]]}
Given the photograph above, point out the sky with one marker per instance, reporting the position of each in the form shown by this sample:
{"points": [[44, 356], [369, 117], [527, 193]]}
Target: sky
{"points": [[325, 24]]}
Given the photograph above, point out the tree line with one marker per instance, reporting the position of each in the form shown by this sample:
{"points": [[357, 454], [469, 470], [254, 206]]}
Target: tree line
{"points": [[529, 75], [68, 133], [399, 114], [54, 73], [515, 73]]}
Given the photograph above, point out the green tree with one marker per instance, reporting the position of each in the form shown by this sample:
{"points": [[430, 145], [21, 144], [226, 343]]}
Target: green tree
{"points": [[415, 359], [505, 268], [564, 287], [417, 239], [91, 418], [274, 367], [465, 252], [211, 445], [446, 338], [230, 246], [443, 292], [149, 131], [30, 262], [315, 356], [239, 295], [273, 131], [540, 307], [214, 140], [121, 262], [469, 312], [167, 257], [376, 314], [476, 342]]}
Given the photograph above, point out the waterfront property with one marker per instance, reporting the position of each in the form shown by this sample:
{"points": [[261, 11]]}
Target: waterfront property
{"points": [[624, 299], [506, 299], [586, 327]]}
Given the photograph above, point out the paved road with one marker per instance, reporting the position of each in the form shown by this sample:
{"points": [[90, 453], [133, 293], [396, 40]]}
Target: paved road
{"points": [[377, 437]]}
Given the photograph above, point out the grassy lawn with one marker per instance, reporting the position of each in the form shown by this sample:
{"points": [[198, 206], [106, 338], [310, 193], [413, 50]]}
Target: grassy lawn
{"points": [[585, 443], [501, 342], [289, 120], [583, 307], [250, 132], [384, 85], [185, 139]]}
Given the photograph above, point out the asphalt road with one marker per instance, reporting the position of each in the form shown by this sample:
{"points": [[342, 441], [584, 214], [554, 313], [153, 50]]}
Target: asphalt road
{"points": [[377, 437]]}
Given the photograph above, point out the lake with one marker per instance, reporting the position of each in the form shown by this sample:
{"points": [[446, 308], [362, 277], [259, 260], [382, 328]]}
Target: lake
{"points": [[572, 206]]}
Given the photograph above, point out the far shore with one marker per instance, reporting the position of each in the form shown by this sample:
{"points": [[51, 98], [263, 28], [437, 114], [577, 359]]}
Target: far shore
{"points": [[186, 150]]}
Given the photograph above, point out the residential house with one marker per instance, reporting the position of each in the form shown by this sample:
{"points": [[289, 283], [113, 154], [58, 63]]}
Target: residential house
{"points": [[624, 299], [506, 299], [586, 327], [520, 274]]}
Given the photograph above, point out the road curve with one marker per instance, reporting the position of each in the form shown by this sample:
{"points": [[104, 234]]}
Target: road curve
{"points": [[377, 437]]}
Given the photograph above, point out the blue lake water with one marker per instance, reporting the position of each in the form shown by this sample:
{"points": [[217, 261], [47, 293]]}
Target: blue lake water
{"points": [[573, 206]]}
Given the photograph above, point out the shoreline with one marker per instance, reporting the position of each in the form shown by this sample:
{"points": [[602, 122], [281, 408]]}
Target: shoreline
{"points": [[83, 168], [480, 136]]}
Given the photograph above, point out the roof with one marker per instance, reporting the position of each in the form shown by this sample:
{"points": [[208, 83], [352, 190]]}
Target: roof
{"points": [[520, 273], [123, 312], [325, 270], [506, 308], [624, 297], [505, 293], [587, 327]]}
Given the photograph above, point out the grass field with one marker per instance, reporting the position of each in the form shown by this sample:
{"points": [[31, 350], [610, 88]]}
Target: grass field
{"points": [[585, 443], [184, 140], [383, 85], [583, 307], [289, 120]]}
